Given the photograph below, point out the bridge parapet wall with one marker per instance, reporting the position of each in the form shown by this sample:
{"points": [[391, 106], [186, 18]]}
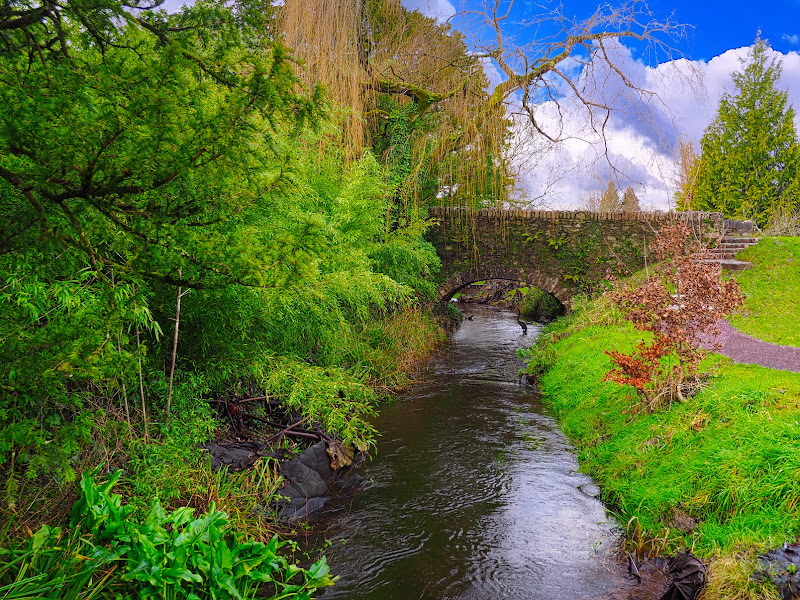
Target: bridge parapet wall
{"points": [[708, 220], [560, 251]]}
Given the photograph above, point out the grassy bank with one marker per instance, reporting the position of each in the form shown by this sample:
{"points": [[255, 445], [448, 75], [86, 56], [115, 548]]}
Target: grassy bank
{"points": [[771, 311], [718, 474]]}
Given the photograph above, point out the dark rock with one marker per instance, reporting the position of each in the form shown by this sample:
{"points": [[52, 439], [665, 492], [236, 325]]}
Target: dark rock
{"points": [[305, 479], [309, 476], [235, 456], [782, 567], [688, 576], [289, 491], [315, 457], [292, 513]]}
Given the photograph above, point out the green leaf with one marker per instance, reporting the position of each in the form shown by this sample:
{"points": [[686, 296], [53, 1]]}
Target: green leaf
{"points": [[176, 573]]}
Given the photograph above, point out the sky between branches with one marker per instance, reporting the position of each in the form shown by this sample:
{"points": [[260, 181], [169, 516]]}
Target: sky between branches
{"points": [[719, 36]]}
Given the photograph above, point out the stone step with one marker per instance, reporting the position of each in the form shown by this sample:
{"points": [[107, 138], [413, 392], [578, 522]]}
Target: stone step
{"points": [[731, 247], [739, 240], [728, 264]]}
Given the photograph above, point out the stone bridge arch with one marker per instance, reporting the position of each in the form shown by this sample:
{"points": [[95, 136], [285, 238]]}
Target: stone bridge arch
{"points": [[534, 278], [561, 252]]}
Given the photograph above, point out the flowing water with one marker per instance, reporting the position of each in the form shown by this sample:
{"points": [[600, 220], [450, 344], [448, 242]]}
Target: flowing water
{"points": [[474, 493]]}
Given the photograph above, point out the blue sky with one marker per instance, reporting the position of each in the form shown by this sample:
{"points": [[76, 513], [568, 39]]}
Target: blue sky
{"points": [[714, 25], [640, 149], [720, 26]]}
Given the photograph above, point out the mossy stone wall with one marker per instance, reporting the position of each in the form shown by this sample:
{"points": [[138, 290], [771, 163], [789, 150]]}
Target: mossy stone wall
{"points": [[562, 252]]}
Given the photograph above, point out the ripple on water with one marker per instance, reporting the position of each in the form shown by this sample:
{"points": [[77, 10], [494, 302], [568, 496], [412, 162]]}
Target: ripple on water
{"points": [[474, 492]]}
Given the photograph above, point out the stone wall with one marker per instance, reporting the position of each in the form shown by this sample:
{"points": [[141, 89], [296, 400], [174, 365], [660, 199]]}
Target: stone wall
{"points": [[562, 252]]}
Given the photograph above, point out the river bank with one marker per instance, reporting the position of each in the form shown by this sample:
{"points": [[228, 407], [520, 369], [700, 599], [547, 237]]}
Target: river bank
{"points": [[170, 480], [474, 491], [718, 474]]}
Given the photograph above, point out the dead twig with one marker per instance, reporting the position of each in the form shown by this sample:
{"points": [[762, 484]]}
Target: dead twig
{"points": [[288, 431]]}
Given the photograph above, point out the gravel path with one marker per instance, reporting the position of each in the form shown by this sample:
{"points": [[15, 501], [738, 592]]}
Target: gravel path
{"points": [[749, 350]]}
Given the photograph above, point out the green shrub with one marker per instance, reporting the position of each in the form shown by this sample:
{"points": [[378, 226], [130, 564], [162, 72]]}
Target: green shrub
{"points": [[539, 305], [166, 556]]}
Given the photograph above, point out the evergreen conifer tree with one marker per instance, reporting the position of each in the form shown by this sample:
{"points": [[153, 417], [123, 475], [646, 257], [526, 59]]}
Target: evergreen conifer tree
{"points": [[609, 201], [750, 153], [630, 203]]}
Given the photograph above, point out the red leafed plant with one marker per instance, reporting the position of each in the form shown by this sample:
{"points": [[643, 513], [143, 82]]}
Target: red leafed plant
{"points": [[680, 303]]}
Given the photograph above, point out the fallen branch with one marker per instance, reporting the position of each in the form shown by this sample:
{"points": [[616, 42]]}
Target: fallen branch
{"points": [[290, 430]]}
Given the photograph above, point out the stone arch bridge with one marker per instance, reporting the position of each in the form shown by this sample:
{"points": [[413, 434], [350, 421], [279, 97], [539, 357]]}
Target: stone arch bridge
{"points": [[561, 252]]}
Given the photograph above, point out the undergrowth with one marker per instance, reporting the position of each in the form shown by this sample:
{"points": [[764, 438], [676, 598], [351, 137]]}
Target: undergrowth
{"points": [[539, 305], [158, 555]]}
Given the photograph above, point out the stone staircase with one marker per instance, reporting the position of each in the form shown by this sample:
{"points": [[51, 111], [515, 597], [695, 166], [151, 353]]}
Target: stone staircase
{"points": [[724, 253]]}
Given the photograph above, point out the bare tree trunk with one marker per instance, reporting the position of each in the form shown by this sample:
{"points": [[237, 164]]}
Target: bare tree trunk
{"points": [[124, 389], [141, 383], [174, 348]]}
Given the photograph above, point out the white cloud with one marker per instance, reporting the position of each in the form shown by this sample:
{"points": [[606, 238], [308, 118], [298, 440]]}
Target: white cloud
{"points": [[791, 39], [441, 10], [641, 135], [492, 73]]}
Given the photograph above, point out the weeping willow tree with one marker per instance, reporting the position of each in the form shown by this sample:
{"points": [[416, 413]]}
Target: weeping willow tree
{"points": [[325, 36], [415, 95], [418, 94]]}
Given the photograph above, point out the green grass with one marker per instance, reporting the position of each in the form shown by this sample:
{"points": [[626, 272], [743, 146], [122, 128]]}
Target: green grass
{"points": [[772, 287], [729, 457]]}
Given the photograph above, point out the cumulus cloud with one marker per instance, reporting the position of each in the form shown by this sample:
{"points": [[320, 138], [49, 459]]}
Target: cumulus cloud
{"points": [[493, 74], [441, 10], [640, 138]]}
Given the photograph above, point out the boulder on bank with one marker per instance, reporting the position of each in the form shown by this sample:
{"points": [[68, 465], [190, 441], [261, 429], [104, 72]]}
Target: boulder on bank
{"points": [[310, 476], [688, 577], [782, 567], [310, 479], [234, 456]]}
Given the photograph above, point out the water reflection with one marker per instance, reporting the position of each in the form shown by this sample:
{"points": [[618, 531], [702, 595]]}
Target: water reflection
{"points": [[474, 493]]}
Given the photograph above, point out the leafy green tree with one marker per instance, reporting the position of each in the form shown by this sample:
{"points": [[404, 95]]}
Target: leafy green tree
{"points": [[149, 154], [145, 146], [750, 153]]}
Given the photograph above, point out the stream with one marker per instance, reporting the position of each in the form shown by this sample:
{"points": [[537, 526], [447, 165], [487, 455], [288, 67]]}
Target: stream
{"points": [[474, 492]]}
